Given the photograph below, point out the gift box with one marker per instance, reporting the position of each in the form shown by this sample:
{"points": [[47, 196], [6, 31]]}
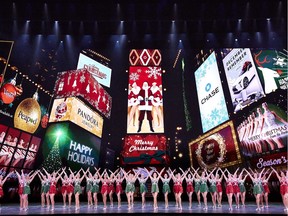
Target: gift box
{"points": [[144, 149], [81, 83]]}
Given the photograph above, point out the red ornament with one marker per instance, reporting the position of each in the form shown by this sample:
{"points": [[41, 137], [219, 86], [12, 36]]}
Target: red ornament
{"points": [[8, 93], [44, 121]]}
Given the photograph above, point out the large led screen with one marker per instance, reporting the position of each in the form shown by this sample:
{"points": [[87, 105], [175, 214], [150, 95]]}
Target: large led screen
{"points": [[218, 147], [18, 149], [263, 134], [272, 69], [213, 110], [74, 110], [242, 78], [145, 100], [82, 84], [144, 149], [66, 144], [99, 71]]}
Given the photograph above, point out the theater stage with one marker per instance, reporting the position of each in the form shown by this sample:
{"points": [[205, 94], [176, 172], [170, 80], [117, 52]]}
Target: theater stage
{"points": [[35, 209]]}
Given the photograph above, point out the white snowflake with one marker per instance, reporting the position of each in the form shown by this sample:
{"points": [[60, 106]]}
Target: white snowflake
{"points": [[153, 71], [134, 76]]}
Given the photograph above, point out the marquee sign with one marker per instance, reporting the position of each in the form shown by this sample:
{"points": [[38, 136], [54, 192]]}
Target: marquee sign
{"points": [[74, 110]]}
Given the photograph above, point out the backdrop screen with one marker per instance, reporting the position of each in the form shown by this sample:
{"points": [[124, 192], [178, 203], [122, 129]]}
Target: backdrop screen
{"points": [[66, 144], [242, 77], [145, 101], [211, 100]]}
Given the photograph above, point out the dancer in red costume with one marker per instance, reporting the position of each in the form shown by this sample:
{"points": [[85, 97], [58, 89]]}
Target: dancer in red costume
{"points": [[2, 181], [177, 187], [53, 179], [25, 180], [283, 179], [229, 187], [265, 185], [119, 190], [219, 190], [104, 177], [64, 188]]}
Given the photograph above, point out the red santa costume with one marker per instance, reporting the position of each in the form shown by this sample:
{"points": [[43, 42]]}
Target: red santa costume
{"points": [[145, 98], [133, 95], [157, 102]]}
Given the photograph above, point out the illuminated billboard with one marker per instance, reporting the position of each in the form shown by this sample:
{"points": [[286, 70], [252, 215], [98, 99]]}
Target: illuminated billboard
{"points": [[74, 110], [213, 110], [272, 69], [242, 78], [81, 83], [66, 144], [18, 149], [218, 147], [145, 100], [263, 131], [99, 71], [144, 149], [145, 57]]}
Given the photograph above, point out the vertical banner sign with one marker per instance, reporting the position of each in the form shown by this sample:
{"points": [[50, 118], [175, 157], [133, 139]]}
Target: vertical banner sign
{"points": [[145, 103], [213, 110], [145, 142], [272, 69], [243, 81]]}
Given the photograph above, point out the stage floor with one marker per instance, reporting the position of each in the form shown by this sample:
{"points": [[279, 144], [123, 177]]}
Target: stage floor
{"points": [[35, 209]]}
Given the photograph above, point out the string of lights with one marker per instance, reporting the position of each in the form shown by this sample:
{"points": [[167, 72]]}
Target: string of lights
{"points": [[177, 57], [25, 76]]}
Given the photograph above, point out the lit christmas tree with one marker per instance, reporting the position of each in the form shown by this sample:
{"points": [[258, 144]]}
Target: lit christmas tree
{"points": [[187, 115], [53, 161]]}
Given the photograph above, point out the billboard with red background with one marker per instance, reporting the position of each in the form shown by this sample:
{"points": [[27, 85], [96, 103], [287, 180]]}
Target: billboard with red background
{"points": [[144, 149], [218, 147]]}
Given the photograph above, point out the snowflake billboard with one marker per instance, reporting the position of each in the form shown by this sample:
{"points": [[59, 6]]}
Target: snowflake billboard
{"points": [[211, 100], [145, 103]]}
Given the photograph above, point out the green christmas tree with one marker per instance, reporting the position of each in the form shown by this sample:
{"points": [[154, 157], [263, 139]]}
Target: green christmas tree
{"points": [[187, 115], [53, 161]]}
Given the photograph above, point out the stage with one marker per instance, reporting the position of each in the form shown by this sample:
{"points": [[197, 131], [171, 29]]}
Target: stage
{"points": [[35, 209]]}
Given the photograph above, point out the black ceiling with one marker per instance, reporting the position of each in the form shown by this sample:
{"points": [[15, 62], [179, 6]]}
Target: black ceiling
{"points": [[193, 18]]}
